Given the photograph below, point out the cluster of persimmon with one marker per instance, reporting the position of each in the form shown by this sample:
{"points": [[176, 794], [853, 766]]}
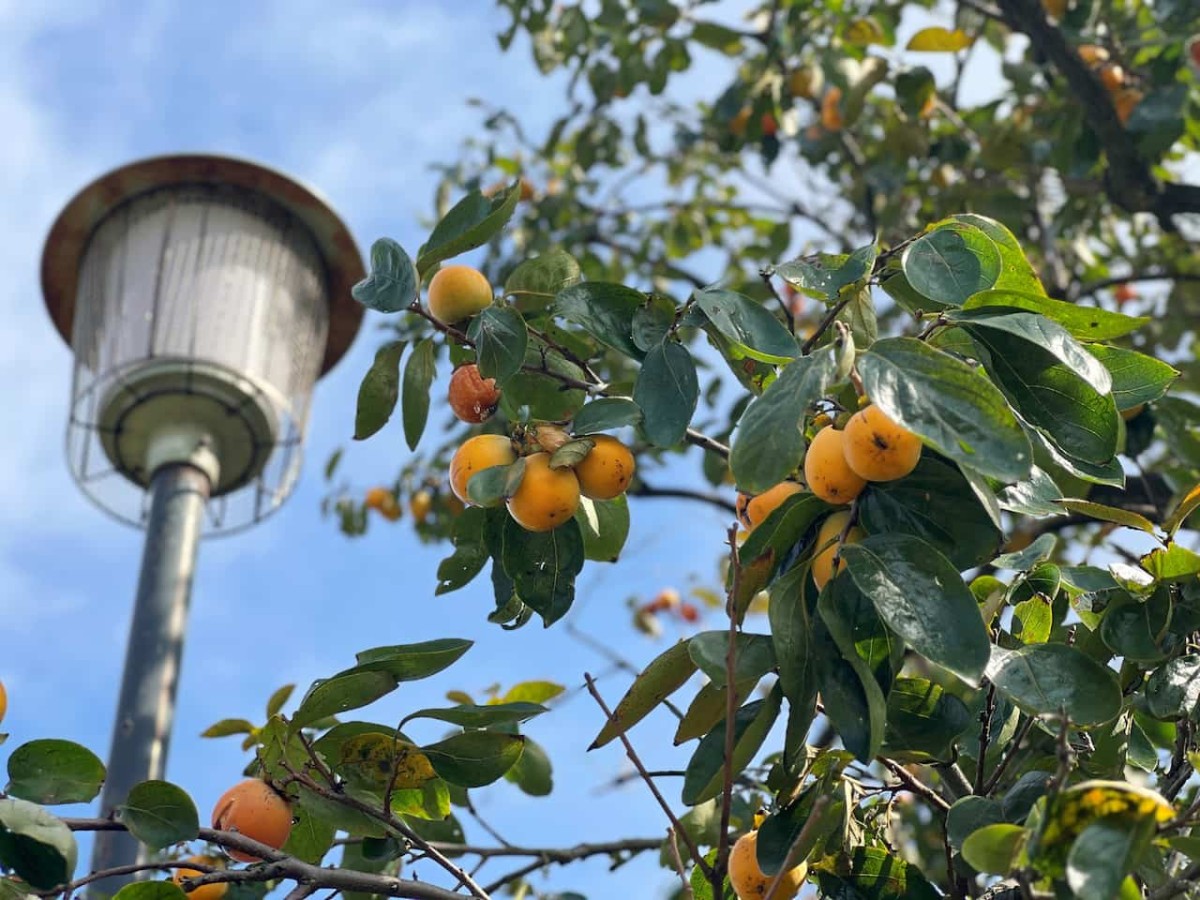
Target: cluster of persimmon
{"points": [[838, 466], [1125, 95], [550, 487]]}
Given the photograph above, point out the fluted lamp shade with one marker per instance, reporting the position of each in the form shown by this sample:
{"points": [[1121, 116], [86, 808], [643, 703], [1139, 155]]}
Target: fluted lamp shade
{"points": [[202, 296]]}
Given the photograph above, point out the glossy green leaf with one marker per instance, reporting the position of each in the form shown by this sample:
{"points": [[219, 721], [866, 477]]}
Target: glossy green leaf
{"points": [[54, 771], [604, 525], [936, 504], [35, 845], [824, 275], [951, 263], [1023, 560], [994, 849], [472, 716], [1136, 377], [603, 310], [379, 391], [660, 679], [1173, 562], [606, 414], [412, 662], [544, 276], [1112, 514], [968, 815], [1048, 336], [1134, 628], [920, 595], [489, 487], [543, 566], [470, 223], [708, 707], [1173, 689], [769, 442], [667, 391], [1016, 272], [500, 339], [870, 873], [1085, 323], [754, 655], [1046, 679], [1037, 496], [475, 758], [704, 778], [352, 689], [954, 408], [418, 377], [749, 325], [532, 773], [311, 837], [392, 283], [792, 633], [922, 719], [160, 814]]}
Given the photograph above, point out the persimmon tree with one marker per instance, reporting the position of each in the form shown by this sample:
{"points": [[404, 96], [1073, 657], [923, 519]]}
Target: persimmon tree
{"points": [[889, 313]]}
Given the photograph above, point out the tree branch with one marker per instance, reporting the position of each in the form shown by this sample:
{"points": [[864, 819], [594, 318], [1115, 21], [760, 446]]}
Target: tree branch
{"points": [[645, 490]]}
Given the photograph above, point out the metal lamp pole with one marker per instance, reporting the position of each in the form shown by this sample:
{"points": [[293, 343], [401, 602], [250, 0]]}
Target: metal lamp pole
{"points": [[202, 297]]}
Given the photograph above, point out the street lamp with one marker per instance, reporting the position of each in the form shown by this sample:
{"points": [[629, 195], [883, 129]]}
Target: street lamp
{"points": [[202, 297]]}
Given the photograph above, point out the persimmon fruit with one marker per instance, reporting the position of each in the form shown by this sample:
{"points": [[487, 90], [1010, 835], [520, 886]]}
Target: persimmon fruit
{"points": [[877, 448], [827, 563], [253, 809], [607, 469], [749, 881], [476, 454], [546, 497], [473, 398], [826, 471], [457, 293]]}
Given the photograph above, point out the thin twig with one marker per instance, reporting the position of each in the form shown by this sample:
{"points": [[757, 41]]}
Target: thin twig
{"points": [[693, 850], [1014, 747], [686, 893], [985, 735], [915, 785]]}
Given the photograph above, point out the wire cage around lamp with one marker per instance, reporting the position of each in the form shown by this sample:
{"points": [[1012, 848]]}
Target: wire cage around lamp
{"points": [[203, 296]]}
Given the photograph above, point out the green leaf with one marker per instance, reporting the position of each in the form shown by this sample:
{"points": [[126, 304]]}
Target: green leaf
{"points": [[151, 890], [749, 325], [773, 539], [769, 442], [277, 700], [532, 773], [1136, 377], [470, 552], [754, 655], [228, 727], [532, 692], [1085, 323], [994, 849], [392, 284], [825, 274], [1023, 560], [923, 719], [501, 340], [1037, 496], [1080, 420], [869, 873], [791, 632], [717, 37], [854, 700], [708, 707], [1016, 272], [779, 833], [1109, 514], [606, 414], [667, 391], [1104, 853], [310, 838], [418, 377], [489, 487], [468, 224], [920, 595], [604, 525], [160, 814], [379, 391], [1040, 332], [860, 317], [659, 680], [475, 758], [545, 275], [939, 40], [54, 771], [704, 778], [36, 845], [950, 263], [349, 690], [472, 716], [952, 407], [1134, 628], [936, 504], [412, 662], [543, 566], [1045, 679], [603, 310], [1173, 690], [543, 393], [1171, 563], [968, 815]]}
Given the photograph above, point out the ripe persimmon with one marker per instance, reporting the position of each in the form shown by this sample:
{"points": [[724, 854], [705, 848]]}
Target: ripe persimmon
{"points": [[205, 891], [831, 109], [749, 881], [476, 454], [826, 471], [607, 469], [546, 497], [419, 504], [827, 563], [3, 701], [254, 809], [877, 448], [457, 293], [753, 510], [473, 398]]}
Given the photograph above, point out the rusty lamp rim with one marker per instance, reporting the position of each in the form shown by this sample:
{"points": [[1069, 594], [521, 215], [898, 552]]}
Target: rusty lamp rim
{"points": [[67, 240]]}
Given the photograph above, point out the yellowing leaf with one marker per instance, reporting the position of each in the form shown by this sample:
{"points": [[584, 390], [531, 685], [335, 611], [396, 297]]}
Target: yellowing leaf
{"points": [[940, 40], [1187, 505], [373, 758], [865, 31]]}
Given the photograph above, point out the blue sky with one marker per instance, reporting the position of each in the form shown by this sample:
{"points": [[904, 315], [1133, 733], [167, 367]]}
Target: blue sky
{"points": [[357, 103]]}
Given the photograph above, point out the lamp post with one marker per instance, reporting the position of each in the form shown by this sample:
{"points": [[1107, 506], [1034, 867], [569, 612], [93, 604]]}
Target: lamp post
{"points": [[202, 297]]}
